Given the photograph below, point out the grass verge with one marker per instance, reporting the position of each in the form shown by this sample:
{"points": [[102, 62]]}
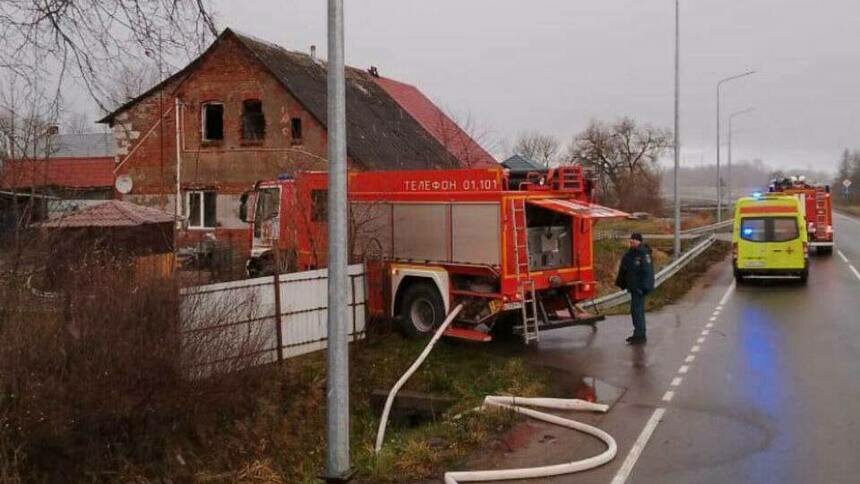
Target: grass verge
{"points": [[282, 438]]}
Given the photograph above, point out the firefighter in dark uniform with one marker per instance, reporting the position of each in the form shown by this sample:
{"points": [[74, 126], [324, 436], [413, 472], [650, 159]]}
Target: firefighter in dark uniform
{"points": [[636, 275]]}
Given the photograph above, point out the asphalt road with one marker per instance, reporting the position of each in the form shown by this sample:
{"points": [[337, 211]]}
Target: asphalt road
{"points": [[759, 383]]}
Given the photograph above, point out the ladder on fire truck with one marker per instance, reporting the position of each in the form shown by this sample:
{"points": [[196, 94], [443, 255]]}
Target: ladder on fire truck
{"points": [[820, 212], [525, 284]]}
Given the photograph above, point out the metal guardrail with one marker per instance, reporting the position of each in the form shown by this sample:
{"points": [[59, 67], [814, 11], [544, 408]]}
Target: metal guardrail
{"points": [[621, 297], [685, 234]]}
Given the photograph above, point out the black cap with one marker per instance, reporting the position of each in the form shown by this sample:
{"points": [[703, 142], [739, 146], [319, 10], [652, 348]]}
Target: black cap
{"points": [[636, 236]]}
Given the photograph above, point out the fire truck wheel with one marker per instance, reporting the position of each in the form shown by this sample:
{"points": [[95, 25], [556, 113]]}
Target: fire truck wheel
{"points": [[824, 250], [421, 309]]}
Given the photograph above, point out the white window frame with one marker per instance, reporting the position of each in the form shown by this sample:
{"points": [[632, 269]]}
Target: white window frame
{"points": [[202, 195], [203, 121]]}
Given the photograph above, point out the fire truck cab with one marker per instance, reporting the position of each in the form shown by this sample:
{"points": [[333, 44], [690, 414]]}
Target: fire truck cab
{"points": [[815, 206], [433, 239]]}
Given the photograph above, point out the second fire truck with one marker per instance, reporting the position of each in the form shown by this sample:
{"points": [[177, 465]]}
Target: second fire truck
{"points": [[816, 207], [434, 239]]}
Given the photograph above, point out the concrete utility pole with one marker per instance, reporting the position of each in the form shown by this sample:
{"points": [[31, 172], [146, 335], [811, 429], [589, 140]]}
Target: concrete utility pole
{"points": [[729, 184], [719, 186], [677, 242], [337, 379]]}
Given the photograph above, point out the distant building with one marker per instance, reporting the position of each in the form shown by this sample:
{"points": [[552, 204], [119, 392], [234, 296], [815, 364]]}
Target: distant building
{"points": [[250, 110], [64, 172], [520, 164]]}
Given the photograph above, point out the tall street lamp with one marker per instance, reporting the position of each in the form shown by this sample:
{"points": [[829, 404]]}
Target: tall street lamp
{"points": [[732, 117], [719, 188], [676, 244]]}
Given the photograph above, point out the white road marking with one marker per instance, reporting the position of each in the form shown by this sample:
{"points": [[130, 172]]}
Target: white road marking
{"points": [[706, 332], [656, 417], [713, 318], [719, 308], [715, 313], [854, 271], [700, 340], [709, 325], [638, 446], [844, 259], [727, 294]]}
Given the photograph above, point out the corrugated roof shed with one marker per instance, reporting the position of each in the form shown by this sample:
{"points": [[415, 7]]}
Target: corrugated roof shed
{"points": [[112, 213]]}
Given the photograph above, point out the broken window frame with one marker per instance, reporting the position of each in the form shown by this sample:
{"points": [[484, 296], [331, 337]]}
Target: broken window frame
{"points": [[205, 204], [253, 123], [204, 118], [296, 130]]}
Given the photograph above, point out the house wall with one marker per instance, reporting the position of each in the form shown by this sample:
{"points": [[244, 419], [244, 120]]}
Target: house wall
{"points": [[230, 75]]}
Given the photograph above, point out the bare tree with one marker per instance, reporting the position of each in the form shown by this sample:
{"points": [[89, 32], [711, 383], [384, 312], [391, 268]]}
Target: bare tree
{"points": [[129, 81], [86, 38], [78, 123], [619, 154], [538, 147]]}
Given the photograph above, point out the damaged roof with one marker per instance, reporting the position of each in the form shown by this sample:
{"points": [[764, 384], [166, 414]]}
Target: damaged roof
{"points": [[382, 134], [112, 213]]}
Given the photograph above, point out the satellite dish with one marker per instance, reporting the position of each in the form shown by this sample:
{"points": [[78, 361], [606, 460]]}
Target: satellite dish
{"points": [[123, 184]]}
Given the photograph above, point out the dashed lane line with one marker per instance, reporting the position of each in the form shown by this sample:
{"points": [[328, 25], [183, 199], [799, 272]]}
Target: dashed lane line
{"points": [[844, 259], [706, 332], [638, 446], [854, 270], [656, 417]]}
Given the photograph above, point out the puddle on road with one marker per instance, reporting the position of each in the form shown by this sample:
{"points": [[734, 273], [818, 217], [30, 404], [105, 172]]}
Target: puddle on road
{"points": [[592, 389]]}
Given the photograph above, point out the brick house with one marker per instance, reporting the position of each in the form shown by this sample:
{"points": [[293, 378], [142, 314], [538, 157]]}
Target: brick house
{"points": [[249, 110]]}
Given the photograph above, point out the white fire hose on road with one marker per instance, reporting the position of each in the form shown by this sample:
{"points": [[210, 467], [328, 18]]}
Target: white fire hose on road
{"points": [[514, 404]]}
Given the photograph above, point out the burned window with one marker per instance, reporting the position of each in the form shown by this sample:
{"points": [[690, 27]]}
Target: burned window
{"points": [[213, 121], [319, 205], [201, 209], [253, 120], [296, 130]]}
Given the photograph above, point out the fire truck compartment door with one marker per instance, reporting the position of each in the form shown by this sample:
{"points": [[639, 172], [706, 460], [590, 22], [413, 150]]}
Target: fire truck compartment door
{"points": [[577, 208]]}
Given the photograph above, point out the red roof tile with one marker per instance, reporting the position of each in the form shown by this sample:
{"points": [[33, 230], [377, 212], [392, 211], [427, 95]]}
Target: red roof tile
{"points": [[58, 172], [111, 213], [437, 123]]}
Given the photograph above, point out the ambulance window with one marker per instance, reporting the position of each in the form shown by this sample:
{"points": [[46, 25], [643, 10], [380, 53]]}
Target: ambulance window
{"points": [[753, 229], [784, 229], [319, 205]]}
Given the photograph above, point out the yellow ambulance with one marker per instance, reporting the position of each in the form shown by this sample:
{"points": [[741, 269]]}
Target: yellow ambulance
{"points": [[769, 238]]}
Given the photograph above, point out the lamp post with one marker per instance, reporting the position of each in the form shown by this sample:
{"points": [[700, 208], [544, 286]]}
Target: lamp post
{"points": [[676, 244], [731, 118], [337, 375], [719, 188]]}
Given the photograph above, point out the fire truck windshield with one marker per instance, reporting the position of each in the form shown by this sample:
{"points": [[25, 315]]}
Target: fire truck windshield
{"points": [[268, 204]]}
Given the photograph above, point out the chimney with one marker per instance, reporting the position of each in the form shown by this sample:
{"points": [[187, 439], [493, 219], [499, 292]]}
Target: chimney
{"points": [[313, 53], [373, 71]]}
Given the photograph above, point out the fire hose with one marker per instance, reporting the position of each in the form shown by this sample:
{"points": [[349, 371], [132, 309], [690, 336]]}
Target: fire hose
{"points": [[518, 405]]}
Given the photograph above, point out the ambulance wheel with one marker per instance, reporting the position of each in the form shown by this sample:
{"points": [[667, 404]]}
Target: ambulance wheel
{"points": [[804, 277], [739, 278], [421, 310]]}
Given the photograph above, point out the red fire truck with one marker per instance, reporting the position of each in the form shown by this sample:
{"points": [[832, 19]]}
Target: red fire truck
{"points": [[433, 239], [817, 210]]}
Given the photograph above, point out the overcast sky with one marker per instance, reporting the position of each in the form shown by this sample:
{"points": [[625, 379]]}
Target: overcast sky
{"points": [[551, 66]]}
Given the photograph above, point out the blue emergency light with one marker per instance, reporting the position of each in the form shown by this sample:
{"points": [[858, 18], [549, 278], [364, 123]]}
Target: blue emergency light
{"points": [[757, 195], [748, 231]]}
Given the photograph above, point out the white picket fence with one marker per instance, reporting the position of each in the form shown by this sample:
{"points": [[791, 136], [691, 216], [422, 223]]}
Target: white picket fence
{"points": [[235, 325]]}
